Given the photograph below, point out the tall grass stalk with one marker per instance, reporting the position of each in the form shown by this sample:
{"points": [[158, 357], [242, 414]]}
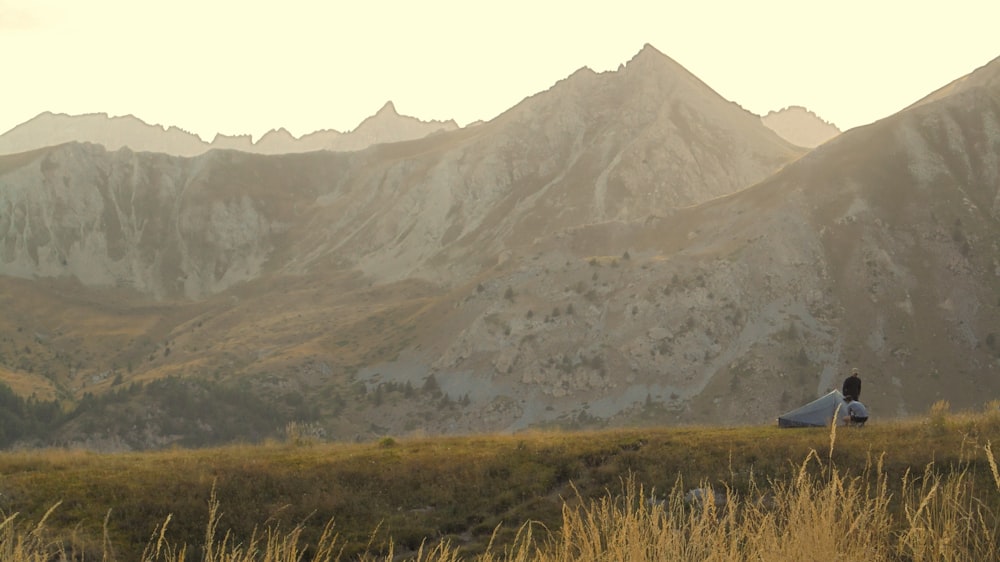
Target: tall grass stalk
{"points": [[18, 545]]}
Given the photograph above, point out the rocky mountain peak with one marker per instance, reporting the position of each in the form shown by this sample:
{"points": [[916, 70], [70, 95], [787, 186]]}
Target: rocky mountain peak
{"points": [[385, 116], [647, 53], [388, 117], [273, 140], [389, 109], [233, 142], [800, 126], [649, 64], [281, 132]]}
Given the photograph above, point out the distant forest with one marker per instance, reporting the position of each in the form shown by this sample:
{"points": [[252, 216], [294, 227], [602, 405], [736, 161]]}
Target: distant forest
{"points": [[198, 412]]}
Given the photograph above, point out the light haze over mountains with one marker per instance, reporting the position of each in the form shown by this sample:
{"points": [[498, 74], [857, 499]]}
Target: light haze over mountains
{"points": [[851, 63], [50, 129], [795, 124], [625, 247]]}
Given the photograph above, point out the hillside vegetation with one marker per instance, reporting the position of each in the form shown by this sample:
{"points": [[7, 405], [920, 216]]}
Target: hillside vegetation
{"points": [[921, 489]]}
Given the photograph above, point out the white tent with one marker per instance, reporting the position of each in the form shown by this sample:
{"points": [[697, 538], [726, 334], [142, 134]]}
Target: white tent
{"points": [[818, 413]]}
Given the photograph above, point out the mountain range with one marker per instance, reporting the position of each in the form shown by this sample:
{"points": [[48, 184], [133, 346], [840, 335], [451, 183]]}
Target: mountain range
{"points": [[113, 133], [624, 248], [795, 124]]}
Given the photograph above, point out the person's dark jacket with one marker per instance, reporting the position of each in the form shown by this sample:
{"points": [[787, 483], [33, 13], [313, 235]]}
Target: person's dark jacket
{"points": [[852, 387]]}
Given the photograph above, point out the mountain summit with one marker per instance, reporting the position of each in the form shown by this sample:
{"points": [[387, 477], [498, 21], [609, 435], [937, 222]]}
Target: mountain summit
{"points": [[800, 126]]}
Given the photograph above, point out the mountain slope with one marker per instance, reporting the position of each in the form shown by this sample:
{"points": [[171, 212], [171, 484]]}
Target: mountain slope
{"points": [[986, 77], [877, 250]]}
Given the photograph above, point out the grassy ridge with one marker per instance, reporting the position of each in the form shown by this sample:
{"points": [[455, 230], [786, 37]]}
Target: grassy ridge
{"points": [[463, 492]]}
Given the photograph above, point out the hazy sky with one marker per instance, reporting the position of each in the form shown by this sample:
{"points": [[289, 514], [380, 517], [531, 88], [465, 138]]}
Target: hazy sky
{"points": [[245, 66]]}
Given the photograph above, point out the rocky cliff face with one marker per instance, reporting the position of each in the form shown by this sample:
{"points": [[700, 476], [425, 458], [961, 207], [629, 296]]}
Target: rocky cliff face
{"points": [[626, 247], [134, 220]]}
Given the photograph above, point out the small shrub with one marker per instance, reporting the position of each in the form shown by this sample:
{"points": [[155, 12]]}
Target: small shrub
{"points": [[303, 434], [989, 421], [939, 416]]}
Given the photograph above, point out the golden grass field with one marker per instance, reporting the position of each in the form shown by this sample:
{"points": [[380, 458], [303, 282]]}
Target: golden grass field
{"points": [[920, 489]]}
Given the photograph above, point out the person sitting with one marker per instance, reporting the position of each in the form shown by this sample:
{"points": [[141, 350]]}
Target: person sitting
{"points": [[857, 414], [852, 386]]}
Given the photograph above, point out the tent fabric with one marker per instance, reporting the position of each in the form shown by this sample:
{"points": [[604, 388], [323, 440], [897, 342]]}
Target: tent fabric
{"points": [[818, 413]]}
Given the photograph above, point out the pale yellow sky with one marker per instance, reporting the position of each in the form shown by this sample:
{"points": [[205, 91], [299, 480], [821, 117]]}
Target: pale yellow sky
{"points": [[235, 67]]}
